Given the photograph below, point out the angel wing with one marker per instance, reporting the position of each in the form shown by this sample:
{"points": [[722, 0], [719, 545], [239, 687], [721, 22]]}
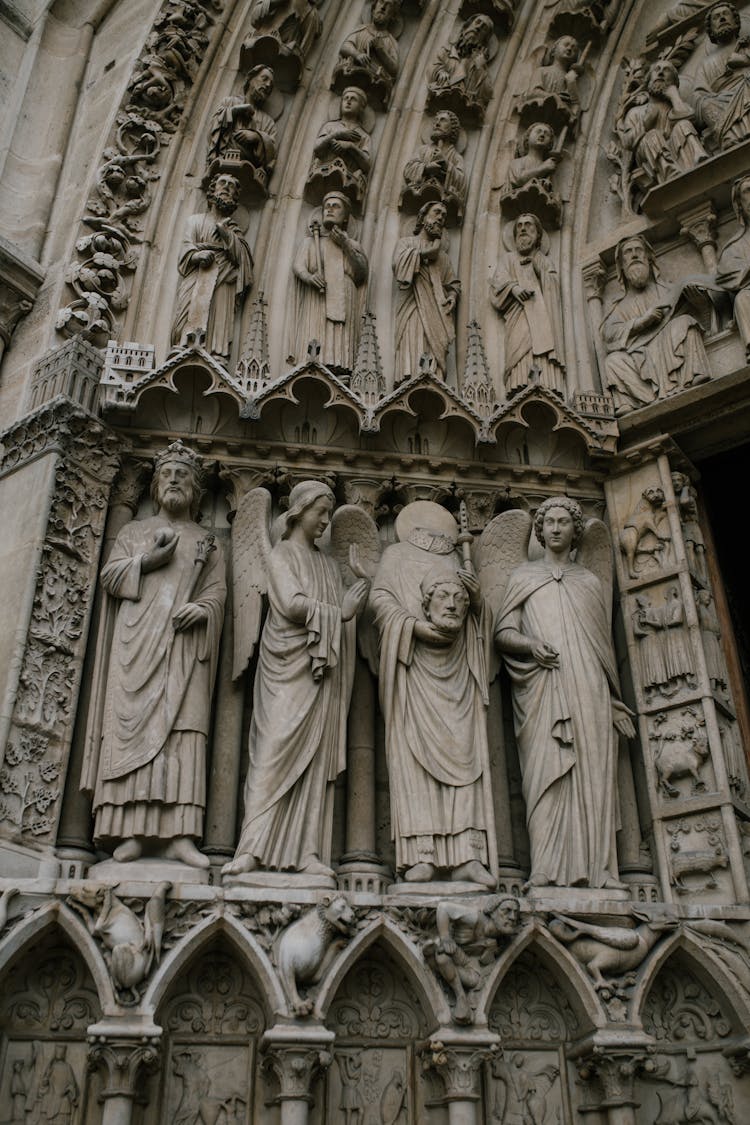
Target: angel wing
{"points": [[595, 553], [351, 526], [502, 546], [251, 548]]}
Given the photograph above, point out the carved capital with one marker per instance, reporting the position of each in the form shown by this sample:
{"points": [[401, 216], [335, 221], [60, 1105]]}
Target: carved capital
{"points": [[459, 1066], [124, 1061], [130, 483], [295, 1066], [480, 506], [616, 1070], [242, 480], [699, 224], [594, 277]]}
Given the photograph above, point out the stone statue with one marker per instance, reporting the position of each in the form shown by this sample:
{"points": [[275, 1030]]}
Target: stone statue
{"points": [[151, 703], [708, 619], [529, 184], [341, 160], [331, 270], [525, 290], [429, 292], [436, 171], [666, 664], [524, 1091], [553, 629], [59, 1093], [733, 270], [467, 941], [216, 267], [554, 84], [722, 81], [306, 947], [651, 334], [369, 56], [303, 679], [243, 135], [501, 12], [283, 33], [460, 77], [433, 693], [656, 128], [351, 1104], [645, 539], [687, 506], [610, 950]]}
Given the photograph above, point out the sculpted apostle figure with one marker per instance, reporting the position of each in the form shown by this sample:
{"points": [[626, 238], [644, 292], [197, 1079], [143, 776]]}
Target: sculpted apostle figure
{"points": [[342, 151], [654, 342], [433, 693], [239, 124], [438, 166], [463, 66], [722, 82], [301, 696], [216, 268], [660, 131], [429, 292], [331, 269], [554, 631], [733, 271], [538, 159], [369, 56], [559, 74], [149, 719], [526, 293]]}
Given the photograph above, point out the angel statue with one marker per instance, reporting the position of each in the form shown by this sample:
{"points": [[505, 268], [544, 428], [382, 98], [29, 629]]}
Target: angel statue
{"points": [[304, 675], [553, 627], [433, 629]]}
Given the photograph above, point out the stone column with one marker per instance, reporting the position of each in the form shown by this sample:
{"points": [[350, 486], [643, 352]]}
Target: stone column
{"points": [[125, 1062], [699, 224], [360, 813], [295, 1057], [594, 278], [459, 1063]]}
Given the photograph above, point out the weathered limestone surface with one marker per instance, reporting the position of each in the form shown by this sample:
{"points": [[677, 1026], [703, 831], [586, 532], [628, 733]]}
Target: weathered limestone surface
{"points": [[373, 730]]}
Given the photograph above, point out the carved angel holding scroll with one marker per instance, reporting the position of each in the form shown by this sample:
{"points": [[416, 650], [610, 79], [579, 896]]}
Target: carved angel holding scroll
{"points": [[553, 627], [304, 675]]}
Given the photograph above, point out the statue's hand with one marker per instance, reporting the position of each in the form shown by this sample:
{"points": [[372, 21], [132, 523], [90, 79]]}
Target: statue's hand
{"points": [[355, 598], [431, 635], [204, 258], [621, 718], [318, 281], [190, 614], [355, 562], [447, 946], [165, 544], [473, 589], [546, 655]]}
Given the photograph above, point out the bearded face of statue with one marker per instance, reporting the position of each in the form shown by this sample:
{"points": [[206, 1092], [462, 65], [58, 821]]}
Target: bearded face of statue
{"points": [[446, 606], [434, 221], [174, 488]]}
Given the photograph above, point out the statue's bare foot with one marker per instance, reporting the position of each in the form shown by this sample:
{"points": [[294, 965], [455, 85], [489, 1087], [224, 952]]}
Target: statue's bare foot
{"points": [[420, 873], [537, 879], [461, 1010], [128, 850], [240, 865], [311, 865], [612, 884], [184, 851], [473, 872]]}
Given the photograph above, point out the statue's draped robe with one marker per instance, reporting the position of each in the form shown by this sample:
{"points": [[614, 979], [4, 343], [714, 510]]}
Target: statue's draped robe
{"points": [[533, 328], [231, 127], [207, 295], [722, 95], [664, 141], [297, 25], [423, 323], [434, 703], [298, 731], [563, 721], [325, 157], [454, 184], [642, 365], [146, 741], [331, 317], [733, 272], [360, 42]]}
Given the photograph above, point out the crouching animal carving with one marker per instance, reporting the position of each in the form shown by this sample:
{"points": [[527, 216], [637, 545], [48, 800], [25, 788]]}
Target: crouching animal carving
{"points": [[133, 944], [613, 950], [697, 863], [681, 753], [306, 948]]}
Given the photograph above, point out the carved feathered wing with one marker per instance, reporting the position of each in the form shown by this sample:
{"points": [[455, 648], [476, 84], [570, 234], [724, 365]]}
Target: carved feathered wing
{"points": [[595, 553], [350, 524], [502, 546], [251, 548]]}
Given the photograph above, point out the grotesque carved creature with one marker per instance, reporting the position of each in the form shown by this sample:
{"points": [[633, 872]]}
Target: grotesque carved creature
{"points": [[134, 945], [306, 948], [645, 537], [610, 950], [681, 753]]}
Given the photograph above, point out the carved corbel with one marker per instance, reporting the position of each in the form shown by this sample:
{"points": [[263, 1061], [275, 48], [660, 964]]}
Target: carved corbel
{"points": [[699, 224], [240, 480], [125, 1062]]}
